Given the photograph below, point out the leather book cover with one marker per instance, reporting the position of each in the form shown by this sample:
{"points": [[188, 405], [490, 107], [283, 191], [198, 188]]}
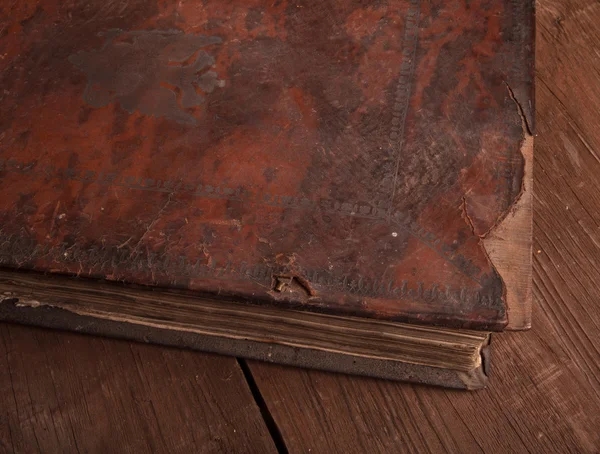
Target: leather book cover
{"points": [[366, 158]]}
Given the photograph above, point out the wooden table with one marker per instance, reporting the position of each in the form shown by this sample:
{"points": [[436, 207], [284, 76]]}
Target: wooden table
{"points": [[63, 392]]}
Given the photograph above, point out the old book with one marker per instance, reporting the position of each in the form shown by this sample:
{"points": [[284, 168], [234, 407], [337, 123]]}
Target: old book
{"points": [[340, 184]]}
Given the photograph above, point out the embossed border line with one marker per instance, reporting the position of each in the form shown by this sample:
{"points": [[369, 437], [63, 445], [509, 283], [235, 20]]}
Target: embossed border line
{"points": [[352, 209], [403, 91], [113, 259]]}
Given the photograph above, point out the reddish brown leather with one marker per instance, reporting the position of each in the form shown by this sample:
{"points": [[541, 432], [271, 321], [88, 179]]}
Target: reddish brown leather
{"points": [[348, 153]]}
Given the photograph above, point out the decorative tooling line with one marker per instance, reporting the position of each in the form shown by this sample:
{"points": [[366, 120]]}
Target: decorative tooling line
{"points": [[403, 90], [173, 188]]}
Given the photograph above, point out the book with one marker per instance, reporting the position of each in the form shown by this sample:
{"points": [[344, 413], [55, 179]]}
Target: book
{"points": [[342, 185]]}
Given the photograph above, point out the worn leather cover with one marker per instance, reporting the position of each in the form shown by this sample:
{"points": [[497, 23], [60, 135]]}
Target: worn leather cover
{"points": [[341, 156]]}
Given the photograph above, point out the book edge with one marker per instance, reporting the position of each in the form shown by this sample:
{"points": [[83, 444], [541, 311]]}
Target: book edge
{"points": [[64, 319]]}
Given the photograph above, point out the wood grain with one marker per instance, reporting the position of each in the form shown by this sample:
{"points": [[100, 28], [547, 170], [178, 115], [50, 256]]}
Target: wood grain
{"points": [[538, 401], [64, 392], [544, 394]]}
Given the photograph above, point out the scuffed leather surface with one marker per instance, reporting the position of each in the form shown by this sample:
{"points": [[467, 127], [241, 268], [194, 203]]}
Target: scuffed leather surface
{"points": [[356, 151]]}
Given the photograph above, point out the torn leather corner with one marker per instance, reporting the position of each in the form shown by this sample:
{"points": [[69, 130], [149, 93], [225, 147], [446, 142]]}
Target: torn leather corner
{"points": [[508, 244]]}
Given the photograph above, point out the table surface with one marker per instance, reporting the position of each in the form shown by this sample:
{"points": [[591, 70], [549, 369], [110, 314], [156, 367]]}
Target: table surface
{"points": [[62, 392]]}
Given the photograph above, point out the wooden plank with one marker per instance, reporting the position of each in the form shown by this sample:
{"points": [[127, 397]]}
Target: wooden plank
{"points": [[63, 392], [539, 401], [544, 395]]}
